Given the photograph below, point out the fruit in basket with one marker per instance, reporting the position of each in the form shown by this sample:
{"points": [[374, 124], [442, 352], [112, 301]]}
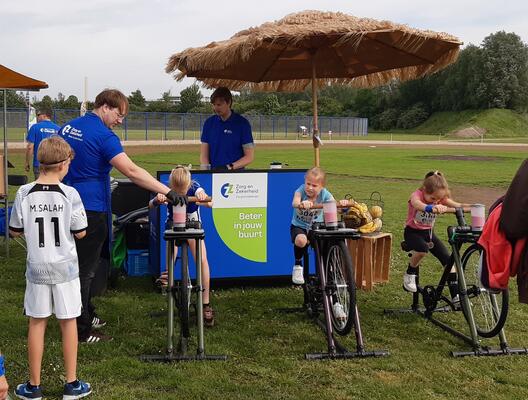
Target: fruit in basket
{"points": [[368, 227], [352, 220], [361, 210], [372, 226], [376, 212]]}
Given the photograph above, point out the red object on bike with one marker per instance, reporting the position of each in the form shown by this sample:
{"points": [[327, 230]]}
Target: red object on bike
{"points": [[501, 257]]}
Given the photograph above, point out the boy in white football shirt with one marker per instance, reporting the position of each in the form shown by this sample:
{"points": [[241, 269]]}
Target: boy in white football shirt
{"points": [[50, 214]]}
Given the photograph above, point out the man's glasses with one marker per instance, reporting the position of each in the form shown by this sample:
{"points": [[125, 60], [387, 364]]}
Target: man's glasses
{"points": [[119, 115]]}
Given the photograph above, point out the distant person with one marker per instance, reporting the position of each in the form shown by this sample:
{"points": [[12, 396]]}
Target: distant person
{"points": [[43, 129], [50, 214], [98, 150], [4, 387], [227, 141]]}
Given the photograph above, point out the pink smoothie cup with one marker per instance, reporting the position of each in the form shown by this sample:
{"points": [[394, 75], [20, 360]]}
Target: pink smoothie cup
{"points": [[179, 217], [478, 216], [330, 214]]}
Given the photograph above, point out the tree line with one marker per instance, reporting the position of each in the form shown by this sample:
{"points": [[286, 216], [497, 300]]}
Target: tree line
{"points": [[492, 75]]}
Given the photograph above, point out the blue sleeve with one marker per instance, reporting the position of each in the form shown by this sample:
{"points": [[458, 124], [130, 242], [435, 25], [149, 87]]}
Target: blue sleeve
{"points": [[194, 187], [31, 134], [300, 190], [247, 136], [111, 147], [326, 196]]}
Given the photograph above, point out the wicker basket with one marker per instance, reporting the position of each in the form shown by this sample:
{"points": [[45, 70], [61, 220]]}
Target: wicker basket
{"points": [[375, 199]]}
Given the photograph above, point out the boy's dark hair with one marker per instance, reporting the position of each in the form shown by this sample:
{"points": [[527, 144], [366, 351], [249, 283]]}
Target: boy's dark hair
{"points": [[222, 93], [52, 152], [112, 98], [44, 111]]}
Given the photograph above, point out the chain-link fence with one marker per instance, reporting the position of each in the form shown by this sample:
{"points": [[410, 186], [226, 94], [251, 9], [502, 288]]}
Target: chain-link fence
{"points": [[174, 126]]}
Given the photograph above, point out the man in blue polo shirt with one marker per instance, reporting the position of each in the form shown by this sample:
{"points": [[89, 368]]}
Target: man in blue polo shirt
{"points": [[43, 129], [97, 150], [227, 141]]}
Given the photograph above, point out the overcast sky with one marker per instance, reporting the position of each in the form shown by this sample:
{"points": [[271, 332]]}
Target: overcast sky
{"points": [[125, 44]]}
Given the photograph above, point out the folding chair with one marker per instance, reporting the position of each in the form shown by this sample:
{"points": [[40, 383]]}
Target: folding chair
{"points": [[15, 180]]}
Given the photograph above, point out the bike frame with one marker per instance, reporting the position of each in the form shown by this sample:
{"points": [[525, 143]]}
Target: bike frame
{"points": [[458, 236], [179, 238], [322, 236]]}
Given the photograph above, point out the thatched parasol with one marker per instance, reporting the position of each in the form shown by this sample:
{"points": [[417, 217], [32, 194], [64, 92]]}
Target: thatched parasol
{"points": [[317, 48]]}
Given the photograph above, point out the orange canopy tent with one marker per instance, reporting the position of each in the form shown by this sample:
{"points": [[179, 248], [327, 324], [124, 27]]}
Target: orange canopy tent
{"points": [[12, 80]]}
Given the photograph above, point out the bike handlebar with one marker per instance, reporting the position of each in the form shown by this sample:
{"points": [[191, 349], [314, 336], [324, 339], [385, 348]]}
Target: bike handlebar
{"points": [[320, 205], [194, 199]]}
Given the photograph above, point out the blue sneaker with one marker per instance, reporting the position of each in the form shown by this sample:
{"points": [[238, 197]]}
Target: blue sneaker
{"points": [[23, 391], [72, 392]]}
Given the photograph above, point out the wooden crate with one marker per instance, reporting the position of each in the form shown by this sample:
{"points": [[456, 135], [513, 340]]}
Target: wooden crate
{"points": [[371, 255]]}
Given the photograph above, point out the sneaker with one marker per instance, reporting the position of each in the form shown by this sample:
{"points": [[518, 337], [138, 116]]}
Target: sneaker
{"points": [[76, 391], [98, 323], [409, 282], [339, 313], [208, 315], [297, 275], [23, 391], [96, 337]]}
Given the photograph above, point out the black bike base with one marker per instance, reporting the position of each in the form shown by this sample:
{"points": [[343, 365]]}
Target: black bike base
{"points": [[166, 358], [345, 355], [483, 352]]}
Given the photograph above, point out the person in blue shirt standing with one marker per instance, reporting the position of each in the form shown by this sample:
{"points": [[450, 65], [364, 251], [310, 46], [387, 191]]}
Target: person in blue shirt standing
{"points": [[98, 150], [43, 129], [227, 141]]}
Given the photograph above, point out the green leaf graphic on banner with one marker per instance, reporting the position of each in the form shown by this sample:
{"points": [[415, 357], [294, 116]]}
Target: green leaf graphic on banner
{"points": [[243, 230]]}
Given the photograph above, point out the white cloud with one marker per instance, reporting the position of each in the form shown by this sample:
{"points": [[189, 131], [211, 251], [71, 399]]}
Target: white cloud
{"points": [[126, 43]]}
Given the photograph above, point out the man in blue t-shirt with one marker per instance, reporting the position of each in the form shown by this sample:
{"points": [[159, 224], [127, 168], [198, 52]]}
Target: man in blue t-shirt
{"points": [[97, 150], [227, 141], [43, 129]]}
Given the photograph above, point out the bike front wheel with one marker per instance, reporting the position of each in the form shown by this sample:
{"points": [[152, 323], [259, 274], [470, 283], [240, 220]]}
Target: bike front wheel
{"points": [[341, 287], [489, 306], [185, 292]]}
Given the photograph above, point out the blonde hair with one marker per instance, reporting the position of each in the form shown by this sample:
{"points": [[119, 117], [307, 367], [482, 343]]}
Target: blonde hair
{"points": [[52, 152], [318, 174], [180, 179], [433, 181]]}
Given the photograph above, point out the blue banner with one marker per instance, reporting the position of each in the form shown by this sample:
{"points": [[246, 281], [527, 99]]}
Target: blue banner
{"points": [[247, 232]]}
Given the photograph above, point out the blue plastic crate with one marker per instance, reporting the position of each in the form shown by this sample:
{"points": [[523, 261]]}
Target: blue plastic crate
{"points": [[137, 263]]}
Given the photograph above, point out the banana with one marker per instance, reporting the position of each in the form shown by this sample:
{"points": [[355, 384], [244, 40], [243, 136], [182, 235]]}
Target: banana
{"points": [[368, 228]]}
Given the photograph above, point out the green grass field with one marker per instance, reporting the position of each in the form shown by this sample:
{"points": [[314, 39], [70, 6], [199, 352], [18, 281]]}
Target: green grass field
{"points": [[500, 125], [265, 347]]}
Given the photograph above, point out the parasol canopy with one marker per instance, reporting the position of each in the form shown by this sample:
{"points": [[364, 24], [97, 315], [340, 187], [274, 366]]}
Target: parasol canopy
{"points": [[317, 48], [10, 79]]}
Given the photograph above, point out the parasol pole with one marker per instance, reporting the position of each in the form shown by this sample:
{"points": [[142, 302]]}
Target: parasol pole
{"points": [[6, 201], [315, 138]]}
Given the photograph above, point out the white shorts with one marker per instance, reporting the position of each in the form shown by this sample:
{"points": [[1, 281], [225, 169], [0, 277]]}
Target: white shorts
{"points": [[62, 299]]}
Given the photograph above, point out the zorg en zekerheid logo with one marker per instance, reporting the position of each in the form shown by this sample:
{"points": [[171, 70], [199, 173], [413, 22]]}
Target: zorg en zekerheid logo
{"points": [[226, 190]]}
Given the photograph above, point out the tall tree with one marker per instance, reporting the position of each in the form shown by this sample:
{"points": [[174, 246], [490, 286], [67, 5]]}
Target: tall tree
{"points": [[505, 71], [190, 98], [136, 100], [13, 99]]}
